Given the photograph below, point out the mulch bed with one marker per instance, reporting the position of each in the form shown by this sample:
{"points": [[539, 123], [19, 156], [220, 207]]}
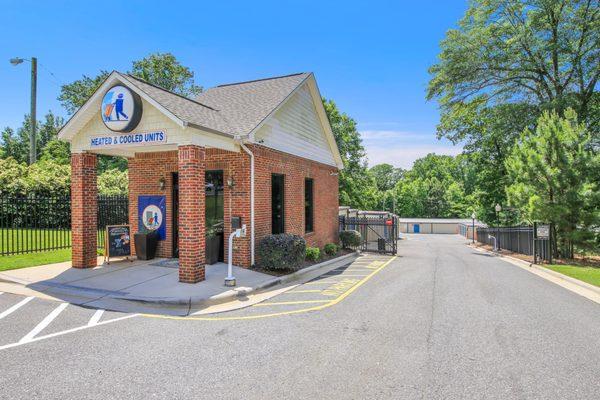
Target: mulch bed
{"points": [[324, 257]]}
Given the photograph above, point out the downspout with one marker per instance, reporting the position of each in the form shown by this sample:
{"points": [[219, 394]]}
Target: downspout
{"points": [[247, 150]]}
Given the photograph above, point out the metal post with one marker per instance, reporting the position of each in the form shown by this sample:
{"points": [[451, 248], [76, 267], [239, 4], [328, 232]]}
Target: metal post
{"points": [[534, 242], [32, 135], [230, 279], [473, 232]]}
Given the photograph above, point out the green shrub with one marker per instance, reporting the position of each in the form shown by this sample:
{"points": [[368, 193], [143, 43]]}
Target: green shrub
{"points": [[313, 253], [282, 252], [350, 239], [330, 249]]}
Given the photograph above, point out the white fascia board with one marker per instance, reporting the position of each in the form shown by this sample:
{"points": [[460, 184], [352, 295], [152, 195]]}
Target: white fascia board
{"points": [[87, 111], [318, 103], [203, 138]]}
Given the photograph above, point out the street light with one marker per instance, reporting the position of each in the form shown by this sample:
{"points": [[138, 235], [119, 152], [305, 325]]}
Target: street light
{"points": [[16, 61], [473, 216], [498, 209]]}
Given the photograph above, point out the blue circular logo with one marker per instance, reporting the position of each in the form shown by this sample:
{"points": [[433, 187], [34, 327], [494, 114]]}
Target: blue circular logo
{"points": [[121, 109]]}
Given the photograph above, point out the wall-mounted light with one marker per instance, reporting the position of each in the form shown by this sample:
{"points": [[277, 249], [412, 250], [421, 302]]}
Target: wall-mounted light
{"points": [[230, 182], [333, 173], [162, 183]]}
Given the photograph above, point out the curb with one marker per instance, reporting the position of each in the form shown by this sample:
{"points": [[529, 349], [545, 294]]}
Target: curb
{"points": [[543, 270], [234, 294], [87, 295]]}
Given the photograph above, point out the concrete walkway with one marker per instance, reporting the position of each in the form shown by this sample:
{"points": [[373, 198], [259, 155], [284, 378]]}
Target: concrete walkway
{"points": [[151, 284], [148, 286]]}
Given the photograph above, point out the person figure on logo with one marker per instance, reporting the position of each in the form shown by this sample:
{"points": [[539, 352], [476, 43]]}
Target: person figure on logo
{"points": [[119, 107], [155, 219]]}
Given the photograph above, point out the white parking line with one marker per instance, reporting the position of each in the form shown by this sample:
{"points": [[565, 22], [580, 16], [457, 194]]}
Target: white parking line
{"points": [[16, 307], [51, 335], [45, 322], [95, 318]]}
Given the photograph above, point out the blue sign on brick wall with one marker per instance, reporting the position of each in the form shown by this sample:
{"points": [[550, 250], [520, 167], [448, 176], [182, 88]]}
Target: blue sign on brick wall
{"points": [[152, 214]]}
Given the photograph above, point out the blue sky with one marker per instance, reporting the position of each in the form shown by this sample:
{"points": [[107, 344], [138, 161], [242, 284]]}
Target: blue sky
{"points": [[370, 57]]}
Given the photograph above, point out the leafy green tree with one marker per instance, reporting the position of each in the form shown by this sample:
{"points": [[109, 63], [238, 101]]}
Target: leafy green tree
{"points": [[435, 187], [113, 182], [75, 94], [556, 179], [357, 186], [164, 70], [11, 176], [16, 145], [58, 151], [545, 52], [386, 176], [161, 69], [13, 147]]}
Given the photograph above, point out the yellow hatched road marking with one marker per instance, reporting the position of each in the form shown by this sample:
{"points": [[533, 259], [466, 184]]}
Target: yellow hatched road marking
{"points": [[276, 314], [305, 291], [286, 303]]}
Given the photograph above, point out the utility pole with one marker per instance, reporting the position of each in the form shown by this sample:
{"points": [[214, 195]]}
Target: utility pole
{"points": [[32, 114], [32, 135]]}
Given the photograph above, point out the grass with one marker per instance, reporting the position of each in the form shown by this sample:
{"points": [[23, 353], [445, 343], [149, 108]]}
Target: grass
{"points": [[590, 275], [24, 239], [37, 240], [33, 259]]}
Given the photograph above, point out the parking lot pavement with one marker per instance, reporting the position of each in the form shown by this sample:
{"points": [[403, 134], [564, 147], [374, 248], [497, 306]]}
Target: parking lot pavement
{"points": [[318, 293], [26, 319]]}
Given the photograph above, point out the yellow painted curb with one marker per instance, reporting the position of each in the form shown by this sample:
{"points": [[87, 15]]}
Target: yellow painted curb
{"points": [[276, 314]]}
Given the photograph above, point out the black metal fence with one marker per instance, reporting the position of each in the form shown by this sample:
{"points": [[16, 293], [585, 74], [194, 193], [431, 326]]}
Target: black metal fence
{"points": [[378, 234], [35, 224], [518, 239]]}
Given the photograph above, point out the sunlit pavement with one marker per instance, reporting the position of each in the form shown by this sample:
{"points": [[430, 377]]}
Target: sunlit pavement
{"points": [[439, 321]]}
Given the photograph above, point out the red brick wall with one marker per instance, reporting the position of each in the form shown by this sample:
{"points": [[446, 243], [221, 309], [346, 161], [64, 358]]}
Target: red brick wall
{"points": [[146, 169], [84, 205], [191, 214], [295, 170]]}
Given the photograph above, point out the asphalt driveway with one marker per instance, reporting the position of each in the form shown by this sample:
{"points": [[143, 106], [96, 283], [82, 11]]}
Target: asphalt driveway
{"points": [[440, 321]]}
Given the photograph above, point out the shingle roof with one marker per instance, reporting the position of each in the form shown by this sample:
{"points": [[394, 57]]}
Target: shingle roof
{"points": [[233, 109], [245, 104], [187, 110]]}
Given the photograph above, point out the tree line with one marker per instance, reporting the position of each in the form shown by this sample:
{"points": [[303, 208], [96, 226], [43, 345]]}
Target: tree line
{"points": [[516, 83]]}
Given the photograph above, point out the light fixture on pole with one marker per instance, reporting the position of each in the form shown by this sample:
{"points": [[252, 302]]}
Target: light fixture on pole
{"points": [[498, 209], [32, 115], [473, 216]]}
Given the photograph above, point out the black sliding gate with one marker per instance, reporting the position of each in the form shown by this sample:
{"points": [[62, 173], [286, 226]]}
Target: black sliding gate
{"points": [[377, 234]]}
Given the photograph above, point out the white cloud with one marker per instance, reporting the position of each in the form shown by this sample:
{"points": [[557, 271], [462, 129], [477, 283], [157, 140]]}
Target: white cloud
{"points": [[401, 148], [388, 134]]}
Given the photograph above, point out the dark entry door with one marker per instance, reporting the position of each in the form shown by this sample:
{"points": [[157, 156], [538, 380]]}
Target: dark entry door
{"points": [[175, 178], [214, 213], [277, 202]]}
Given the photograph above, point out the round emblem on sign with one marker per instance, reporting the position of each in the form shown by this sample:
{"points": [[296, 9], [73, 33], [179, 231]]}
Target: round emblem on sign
{"points": [[121, 109], [152, 217]]}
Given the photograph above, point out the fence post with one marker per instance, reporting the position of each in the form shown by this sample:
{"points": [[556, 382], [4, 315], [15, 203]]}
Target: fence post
{"points": [[534, 242]]}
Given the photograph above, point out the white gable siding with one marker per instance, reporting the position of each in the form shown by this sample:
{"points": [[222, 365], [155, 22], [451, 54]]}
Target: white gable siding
{"points": [[152, 120], [295, 129]]}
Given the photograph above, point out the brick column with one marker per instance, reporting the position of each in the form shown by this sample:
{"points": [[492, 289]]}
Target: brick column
{"points": [[84, 208], [191, 165]]}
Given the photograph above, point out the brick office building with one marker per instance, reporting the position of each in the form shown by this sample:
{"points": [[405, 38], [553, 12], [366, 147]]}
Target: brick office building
{"points": [[260, 153]]}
